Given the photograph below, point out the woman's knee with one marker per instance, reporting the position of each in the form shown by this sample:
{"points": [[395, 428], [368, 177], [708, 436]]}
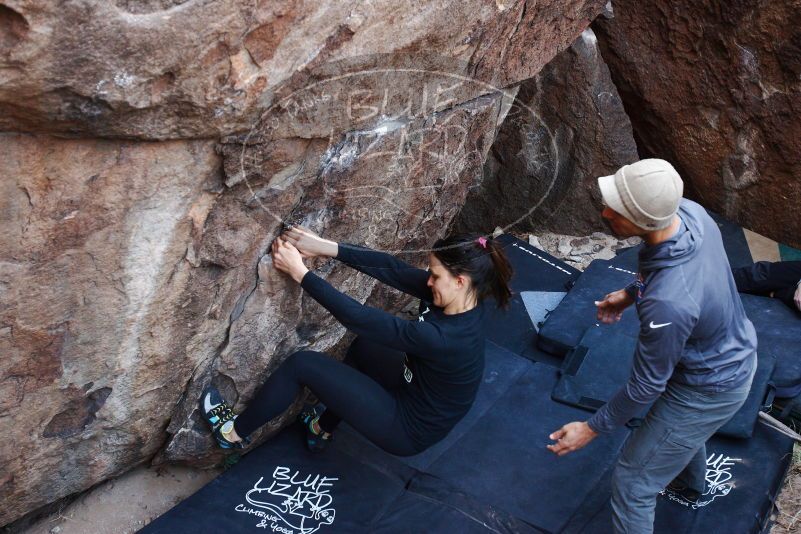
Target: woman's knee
{"points": [[297, 361]]}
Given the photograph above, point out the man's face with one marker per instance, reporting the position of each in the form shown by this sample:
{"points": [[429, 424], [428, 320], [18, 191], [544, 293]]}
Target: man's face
{"points": [[621, 226]]}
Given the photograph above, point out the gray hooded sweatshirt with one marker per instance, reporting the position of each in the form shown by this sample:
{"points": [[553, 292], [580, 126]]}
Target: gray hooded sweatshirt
{"points": [[693, 328]]}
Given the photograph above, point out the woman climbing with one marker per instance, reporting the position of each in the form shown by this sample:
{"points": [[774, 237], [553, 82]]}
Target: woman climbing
{"points": [[403, 384]]}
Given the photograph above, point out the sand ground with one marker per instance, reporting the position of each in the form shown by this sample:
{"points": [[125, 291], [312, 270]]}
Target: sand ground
{"points": [[126, 504]]}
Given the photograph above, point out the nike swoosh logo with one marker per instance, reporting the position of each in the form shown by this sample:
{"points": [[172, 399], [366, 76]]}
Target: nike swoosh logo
{"points": [[207, 405], [652, 325]]}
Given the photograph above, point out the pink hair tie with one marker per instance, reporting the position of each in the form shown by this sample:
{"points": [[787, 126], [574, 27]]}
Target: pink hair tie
{"points": [[482, 241]]}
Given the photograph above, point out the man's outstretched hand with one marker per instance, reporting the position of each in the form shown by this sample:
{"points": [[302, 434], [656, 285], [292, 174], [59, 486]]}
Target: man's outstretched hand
{"points": [[309, 244], [571, 437], [287, 259], [610, 309]]}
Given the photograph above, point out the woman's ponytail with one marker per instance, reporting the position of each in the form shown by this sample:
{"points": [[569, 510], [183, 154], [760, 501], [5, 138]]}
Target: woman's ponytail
{"points": [[483, 260], [502, 273]]}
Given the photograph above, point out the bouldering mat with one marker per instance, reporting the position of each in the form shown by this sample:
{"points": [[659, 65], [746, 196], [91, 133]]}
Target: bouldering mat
{"points": [[502, 369], [595, 369], [539, 282], [743, 479], [565, 326], [446, 510], [734, 241], [282, 487], [503, 461], [778, 334], [601, 364]]}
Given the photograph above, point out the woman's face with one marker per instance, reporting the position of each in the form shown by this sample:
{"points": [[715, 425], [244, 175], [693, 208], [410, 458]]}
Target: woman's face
{"points": [[445, 287]]}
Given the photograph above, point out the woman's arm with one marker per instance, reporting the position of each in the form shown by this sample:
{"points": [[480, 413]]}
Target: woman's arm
{"points": [[381, 266], [410, 336], [418, 337], [387, 269]]}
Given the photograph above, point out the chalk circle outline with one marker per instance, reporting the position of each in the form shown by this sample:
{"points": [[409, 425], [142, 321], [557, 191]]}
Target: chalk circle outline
{"points": [[330, 79]]}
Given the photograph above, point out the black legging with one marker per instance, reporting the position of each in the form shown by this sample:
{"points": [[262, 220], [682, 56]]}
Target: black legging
{"points": [[362, 390], [778, 279]]}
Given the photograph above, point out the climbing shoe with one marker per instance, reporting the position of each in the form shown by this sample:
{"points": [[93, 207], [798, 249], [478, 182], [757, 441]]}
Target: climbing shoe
{"points": [[220, 417], [314, 442]]}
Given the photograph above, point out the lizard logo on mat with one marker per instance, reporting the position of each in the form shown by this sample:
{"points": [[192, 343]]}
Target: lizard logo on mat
{"points": [[291, 503], [719, 482]]}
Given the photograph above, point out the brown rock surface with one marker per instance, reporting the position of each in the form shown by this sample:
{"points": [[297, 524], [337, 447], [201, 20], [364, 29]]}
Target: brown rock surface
{"points": [[715, 87], [91, 279], [407, 207], [566, 128], [129, 280], [156, 69]]}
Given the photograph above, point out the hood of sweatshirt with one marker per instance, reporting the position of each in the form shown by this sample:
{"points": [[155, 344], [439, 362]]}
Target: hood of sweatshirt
{"points": [[682, 246]]}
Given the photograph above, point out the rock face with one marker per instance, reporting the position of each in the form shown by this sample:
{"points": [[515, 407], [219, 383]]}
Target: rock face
{"points": [[92, 284], [566, 128], [715, 87], [402, 207], [133, 265], [155, 69]]}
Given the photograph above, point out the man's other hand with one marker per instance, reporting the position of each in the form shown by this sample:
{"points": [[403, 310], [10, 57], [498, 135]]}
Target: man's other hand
{"points": [[610, 309], [571, 437]]}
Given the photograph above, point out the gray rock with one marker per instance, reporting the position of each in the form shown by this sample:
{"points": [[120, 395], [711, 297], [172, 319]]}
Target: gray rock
{"points": [[566, 128]]}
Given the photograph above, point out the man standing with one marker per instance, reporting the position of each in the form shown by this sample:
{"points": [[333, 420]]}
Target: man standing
{"points": [[696, 354]]}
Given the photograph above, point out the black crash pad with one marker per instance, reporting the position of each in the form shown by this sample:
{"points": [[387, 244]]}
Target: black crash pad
{"points": [[595, 369], [539, 282], [481, 478], [502, 460], [497, 451], [535, 269], [601, 364], [502, 370], [280, 487], [743, 423], [577, 312], [565, 326], [779, 334], [282, 484], [743, 480], [428, 505]]}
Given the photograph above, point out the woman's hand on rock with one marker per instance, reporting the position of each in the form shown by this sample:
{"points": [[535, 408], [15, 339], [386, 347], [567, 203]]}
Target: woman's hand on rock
{"points": [[287, 259], [310, 244]]}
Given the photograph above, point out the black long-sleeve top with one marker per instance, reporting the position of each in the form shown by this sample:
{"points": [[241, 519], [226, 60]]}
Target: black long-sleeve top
{"points": [[444, 353]]}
